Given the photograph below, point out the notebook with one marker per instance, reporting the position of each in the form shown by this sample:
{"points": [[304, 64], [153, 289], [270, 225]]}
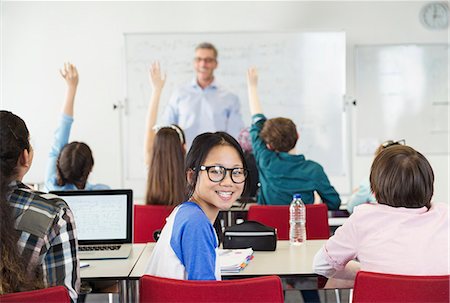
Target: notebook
{"points": [[234, 260], [103, 219]]}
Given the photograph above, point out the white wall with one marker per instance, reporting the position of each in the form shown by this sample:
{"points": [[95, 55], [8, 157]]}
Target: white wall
{"points": [[37, 37]]}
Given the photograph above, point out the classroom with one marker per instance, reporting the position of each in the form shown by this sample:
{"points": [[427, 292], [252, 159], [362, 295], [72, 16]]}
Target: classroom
{"points": [[113, 43]]}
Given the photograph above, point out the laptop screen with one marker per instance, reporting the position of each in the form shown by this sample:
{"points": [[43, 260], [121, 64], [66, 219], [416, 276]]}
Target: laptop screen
{"points": [[101, 216]]}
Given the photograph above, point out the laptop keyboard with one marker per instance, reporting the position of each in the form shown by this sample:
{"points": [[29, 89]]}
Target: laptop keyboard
{"points": [[98, 247]]}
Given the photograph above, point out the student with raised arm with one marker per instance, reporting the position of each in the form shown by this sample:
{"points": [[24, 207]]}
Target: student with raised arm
{"points": [[39, 246], [216, 175], [165, 150], [69, 163], [282, 172]]}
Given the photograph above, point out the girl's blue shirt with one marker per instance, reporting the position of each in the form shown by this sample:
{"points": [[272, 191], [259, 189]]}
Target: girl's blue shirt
{"points": [[61, 139]]}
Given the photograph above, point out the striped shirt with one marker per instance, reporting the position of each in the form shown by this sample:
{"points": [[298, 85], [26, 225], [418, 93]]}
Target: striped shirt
{"points": [[48, 237]]}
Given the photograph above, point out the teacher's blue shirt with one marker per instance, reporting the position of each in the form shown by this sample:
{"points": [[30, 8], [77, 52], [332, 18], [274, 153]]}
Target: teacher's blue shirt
{"points": [[198, 110]]}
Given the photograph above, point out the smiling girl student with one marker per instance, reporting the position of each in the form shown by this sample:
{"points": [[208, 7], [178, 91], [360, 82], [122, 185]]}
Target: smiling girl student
{"points": [[216, 175], [69, 163]]}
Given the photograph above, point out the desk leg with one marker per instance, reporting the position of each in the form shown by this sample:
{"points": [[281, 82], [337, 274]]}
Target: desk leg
{"points": [[123, 295], [134, 290]]}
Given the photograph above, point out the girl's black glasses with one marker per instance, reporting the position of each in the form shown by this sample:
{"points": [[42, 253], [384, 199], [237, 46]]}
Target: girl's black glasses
{"points": [[217, 173]]}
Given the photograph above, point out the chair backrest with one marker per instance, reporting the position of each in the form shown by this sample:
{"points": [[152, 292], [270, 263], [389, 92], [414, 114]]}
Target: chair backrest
{"points": [[52, 294], [277, 216], [148, 219], [261, 289], [378, 287]]}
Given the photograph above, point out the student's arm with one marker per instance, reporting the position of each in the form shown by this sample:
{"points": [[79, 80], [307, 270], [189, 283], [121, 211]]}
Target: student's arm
{"points": [[326, 191], [157, 82], [260, 150], [253, 98], [61, 262], [199, 250], [70, 75], [337, 257], [361, 195]]}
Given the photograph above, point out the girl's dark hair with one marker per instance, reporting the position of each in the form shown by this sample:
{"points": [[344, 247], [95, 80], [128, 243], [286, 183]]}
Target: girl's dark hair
{"points": [[402, 177], [14, 139], [74, 164], [201, 146], [166, 180]]}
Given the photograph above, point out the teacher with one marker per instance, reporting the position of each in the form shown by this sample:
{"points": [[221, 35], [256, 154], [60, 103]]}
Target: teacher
{"points": [[204, 105]]}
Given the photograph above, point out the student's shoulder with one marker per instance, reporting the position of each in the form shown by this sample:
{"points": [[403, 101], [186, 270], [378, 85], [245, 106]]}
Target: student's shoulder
{"points": [[191, 215], [311, 164], [98, 186], [40, 201]]}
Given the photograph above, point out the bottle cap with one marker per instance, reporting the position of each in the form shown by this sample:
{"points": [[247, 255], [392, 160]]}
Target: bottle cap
{"points": [[297, 196]]}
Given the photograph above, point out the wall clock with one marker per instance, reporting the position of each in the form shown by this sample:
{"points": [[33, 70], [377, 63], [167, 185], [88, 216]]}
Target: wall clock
{"points": [[434, 15]]}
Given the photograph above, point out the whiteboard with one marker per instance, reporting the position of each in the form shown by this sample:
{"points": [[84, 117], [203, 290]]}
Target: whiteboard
{"points": [[402, 93], [302, 77]]}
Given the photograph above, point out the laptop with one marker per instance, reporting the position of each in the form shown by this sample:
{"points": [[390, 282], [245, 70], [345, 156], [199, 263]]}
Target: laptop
{"points": [[103, 219]]}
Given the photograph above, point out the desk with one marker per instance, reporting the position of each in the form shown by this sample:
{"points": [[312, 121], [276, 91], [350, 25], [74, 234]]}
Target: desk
{"points": [[114, 269], [286, 261]]}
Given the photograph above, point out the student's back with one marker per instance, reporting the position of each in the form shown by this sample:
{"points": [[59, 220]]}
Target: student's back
{"points": [[43, 222], [403, 234], [164, 151], [282, 173], [409, 241]]}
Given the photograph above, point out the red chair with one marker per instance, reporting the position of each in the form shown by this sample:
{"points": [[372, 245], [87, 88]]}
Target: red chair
{"points": [[378, 287], [277, 216], [148, 219], [57, 294], [262, 289]]}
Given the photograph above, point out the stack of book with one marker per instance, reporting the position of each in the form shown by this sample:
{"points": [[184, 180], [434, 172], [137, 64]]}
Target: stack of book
{"points": [[234, 260]]}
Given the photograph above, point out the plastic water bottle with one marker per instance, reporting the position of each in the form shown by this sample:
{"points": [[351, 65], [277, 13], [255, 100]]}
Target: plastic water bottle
{"points": [[297, 221]]}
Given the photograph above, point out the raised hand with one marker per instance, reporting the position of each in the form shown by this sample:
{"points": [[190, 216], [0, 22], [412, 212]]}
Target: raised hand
{"points": [[157, 80], [252, 85], [252, 77], [70, 74]]}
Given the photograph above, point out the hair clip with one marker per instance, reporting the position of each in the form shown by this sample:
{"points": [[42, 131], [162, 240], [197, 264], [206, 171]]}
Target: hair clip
{"points": [[156, 128], [391, 143]]}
